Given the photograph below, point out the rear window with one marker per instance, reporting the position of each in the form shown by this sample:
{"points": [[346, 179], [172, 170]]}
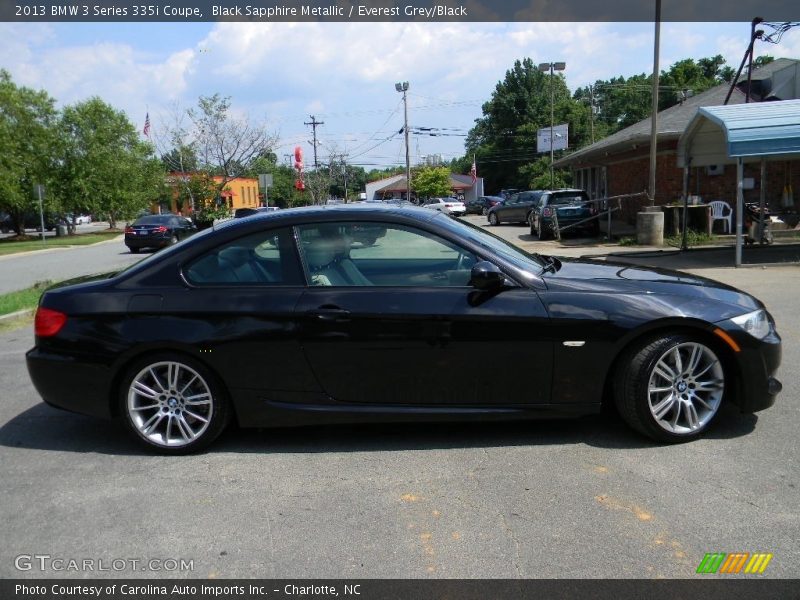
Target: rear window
{"points": [[153, 220], [568, 198]]}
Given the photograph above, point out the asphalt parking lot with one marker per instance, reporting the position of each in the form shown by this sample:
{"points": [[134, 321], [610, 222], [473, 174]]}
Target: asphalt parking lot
{"points": [[584, 498]]}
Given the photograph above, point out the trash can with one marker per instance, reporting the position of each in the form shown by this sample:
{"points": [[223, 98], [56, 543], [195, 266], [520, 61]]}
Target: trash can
{"points": [[61, 230]]}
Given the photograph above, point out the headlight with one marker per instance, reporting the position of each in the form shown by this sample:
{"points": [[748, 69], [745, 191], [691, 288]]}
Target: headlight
{"points": [[755, 323]]}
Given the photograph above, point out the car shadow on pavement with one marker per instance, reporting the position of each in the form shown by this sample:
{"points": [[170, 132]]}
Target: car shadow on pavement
{"points": [[44, 428]]}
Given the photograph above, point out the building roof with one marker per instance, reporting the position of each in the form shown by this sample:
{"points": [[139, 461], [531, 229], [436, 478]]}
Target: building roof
{"points": [[398, 183], [671, 124], [718, 134], [779, 79]]}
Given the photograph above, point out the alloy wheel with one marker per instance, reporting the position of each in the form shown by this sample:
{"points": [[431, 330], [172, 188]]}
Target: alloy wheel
{"points": [[169, 404], [685, 388]]}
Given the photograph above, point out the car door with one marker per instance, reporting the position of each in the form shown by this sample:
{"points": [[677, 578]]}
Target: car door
{"points": [[405, 329], [242, 295]]}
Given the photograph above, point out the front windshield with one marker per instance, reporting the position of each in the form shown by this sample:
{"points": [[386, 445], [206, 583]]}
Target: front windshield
{"points": [[477, 235]]}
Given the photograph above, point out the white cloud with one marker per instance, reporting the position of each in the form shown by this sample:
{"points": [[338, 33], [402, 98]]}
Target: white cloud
{"points": [[344, 73]]}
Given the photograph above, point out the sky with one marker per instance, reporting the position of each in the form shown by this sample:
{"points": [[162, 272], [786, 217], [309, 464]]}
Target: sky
{"points": [[342, 73]]}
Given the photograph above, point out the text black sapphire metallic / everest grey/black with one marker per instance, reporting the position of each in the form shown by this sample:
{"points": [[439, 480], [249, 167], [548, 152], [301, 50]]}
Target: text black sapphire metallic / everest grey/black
{"points": [[294, 317]]}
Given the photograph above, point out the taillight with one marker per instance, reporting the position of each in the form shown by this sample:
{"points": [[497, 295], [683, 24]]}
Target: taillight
{"points": [[449, 205], [592, 209], [48, 322], [129, 229], [160, 229], [547, 211]]}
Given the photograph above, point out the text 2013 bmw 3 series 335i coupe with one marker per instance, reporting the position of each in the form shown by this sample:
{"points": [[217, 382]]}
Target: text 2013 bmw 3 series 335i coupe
{"points": [[287, 319]]}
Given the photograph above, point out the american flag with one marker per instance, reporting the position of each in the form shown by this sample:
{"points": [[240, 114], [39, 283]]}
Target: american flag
{"points": [[474, 172], [146, 130]]}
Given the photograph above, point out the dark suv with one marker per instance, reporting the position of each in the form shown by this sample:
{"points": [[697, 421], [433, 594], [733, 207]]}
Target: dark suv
{"points": [[514, 210], [569, 207]]}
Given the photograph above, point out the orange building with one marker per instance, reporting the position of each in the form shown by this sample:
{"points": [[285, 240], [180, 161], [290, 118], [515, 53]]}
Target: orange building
{"points": [[241, 192]]}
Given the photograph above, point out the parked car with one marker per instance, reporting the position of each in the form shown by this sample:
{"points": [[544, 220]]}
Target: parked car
{"points": [[482, 204], [157, 231], [31, 220], [78, 219], [514, 210], [450, 206], [249, 212], [278, 320], [569, 206]]}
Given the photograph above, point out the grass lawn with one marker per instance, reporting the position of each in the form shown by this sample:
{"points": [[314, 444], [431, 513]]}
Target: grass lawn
{"points": [[14, 245], [22, 299]]}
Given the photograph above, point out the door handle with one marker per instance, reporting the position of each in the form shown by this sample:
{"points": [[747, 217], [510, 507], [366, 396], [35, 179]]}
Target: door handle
{"points": [[329, 313]]}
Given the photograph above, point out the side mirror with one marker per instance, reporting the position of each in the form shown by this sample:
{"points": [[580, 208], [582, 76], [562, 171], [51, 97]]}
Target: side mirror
{"points": [[486, 276]]}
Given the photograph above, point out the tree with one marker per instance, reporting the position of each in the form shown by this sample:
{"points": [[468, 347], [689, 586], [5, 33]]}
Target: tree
{"points": [[104, 167], [504, 139], [209, 138], [29, 148], [430, 182]]}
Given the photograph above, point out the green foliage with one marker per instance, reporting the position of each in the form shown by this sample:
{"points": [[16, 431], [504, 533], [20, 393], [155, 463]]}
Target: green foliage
{"points": [[504, 138], [693, 238], [104, 166], [537, 175], [430, 182], [22, 299], [28, 146]]}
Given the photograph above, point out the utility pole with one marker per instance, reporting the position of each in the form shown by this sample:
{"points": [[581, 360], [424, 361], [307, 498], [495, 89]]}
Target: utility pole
{"points": [[651, 187], [288, 158], [591, 108], [314, 124], [544, 67], [403, 87]]}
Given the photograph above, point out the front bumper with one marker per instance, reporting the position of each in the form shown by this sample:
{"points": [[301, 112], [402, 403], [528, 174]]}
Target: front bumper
{"points": [[757, 362]]}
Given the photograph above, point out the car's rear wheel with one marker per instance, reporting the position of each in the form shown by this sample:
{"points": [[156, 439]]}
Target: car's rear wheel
{"points": [[493, 220], [670, 388], [173, 404]]}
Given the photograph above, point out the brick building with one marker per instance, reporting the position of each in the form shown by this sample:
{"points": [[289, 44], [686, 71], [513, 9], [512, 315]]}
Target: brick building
{"points": [[620, 163]]}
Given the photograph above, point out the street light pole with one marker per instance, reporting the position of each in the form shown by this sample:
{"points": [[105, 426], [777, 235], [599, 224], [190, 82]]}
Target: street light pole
{"points": [[403, 87], [544, 67]]}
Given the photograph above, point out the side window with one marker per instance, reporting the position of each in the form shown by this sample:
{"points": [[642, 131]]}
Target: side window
{"points": [[263, 258], [381, 254]]}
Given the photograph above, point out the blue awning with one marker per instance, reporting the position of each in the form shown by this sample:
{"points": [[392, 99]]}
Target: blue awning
{"points": [[747, 130]]}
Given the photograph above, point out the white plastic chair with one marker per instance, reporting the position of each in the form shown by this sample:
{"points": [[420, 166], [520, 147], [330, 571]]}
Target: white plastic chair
{"points": [[721, 211]]}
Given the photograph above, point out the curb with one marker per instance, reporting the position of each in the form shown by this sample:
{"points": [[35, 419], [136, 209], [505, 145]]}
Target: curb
{"points": [[74, 247], [26, 312]]}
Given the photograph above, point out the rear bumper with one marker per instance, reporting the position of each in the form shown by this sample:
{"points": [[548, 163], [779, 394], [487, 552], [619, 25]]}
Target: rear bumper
{"points": [[69, 383], [146, 242]]}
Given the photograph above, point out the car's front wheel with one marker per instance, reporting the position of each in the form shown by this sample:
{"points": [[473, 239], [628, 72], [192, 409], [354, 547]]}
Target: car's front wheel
{"points": [[484, 211], [670, 388], [173, 404], [493, 220]]}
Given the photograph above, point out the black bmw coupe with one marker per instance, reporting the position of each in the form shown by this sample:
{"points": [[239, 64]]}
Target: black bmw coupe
{"points": [[283, 319]]}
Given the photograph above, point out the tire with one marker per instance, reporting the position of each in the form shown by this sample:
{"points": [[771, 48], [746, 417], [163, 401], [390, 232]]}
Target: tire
{"points": [[493, 220], [173, 240], [670, 388], [134, 250], [544, 233], [180, 390], [484, 211]]}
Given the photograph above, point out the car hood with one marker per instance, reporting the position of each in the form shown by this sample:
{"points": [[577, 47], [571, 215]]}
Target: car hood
{"points": [[620, 278]]}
